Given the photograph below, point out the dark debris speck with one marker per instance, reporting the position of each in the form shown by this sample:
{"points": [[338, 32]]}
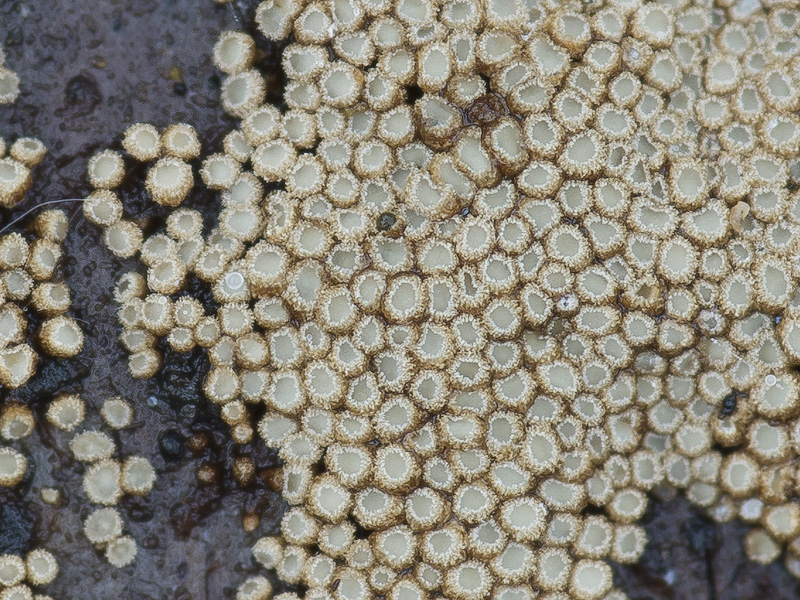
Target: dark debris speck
{"points": [[140, 511], [700, 534], [81, 95], [14, 37], [182, 383], [52, 377], [171, 446], [728, 405], [386, 221]]}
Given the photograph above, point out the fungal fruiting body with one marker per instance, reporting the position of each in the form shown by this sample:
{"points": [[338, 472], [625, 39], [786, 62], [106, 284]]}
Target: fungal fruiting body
{"points": [[494, 264], [9, 82]]}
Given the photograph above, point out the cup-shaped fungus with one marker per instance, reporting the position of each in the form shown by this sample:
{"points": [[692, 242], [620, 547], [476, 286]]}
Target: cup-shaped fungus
{"points": [[51, 299], [14, 250], [760, 547], [291, 568], [12, 570], [219, 171], [66, 411], [395, 469], [590, 579], [17, 365], [629, 543], [180, 141], [169, 181], [16, 422], [234, 52], [268, 551], [769, 443], [523, 518], [50, 225], [120, 551], [28, 151], [15, 179], [254, 588], [470, 579], [106, 169], [594, 539], [41, 567], [61, 337], [142, 142], [328, 499], [102, 526], [117, 412], [137, 476], [9, 83], [92, 445], [101, 482], [12, 467], [18, 284]]}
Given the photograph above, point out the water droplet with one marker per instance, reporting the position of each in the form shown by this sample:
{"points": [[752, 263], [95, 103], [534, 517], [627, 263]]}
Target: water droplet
{"points": [[234, 280]]}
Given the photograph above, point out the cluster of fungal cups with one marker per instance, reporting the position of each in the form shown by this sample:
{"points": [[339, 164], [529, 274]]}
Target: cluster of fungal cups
{"points": [[19, 575], [28, 282], [105, 481], [169, 180], [492, 265], [27, 268], [29, 263], [106, 478]]}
